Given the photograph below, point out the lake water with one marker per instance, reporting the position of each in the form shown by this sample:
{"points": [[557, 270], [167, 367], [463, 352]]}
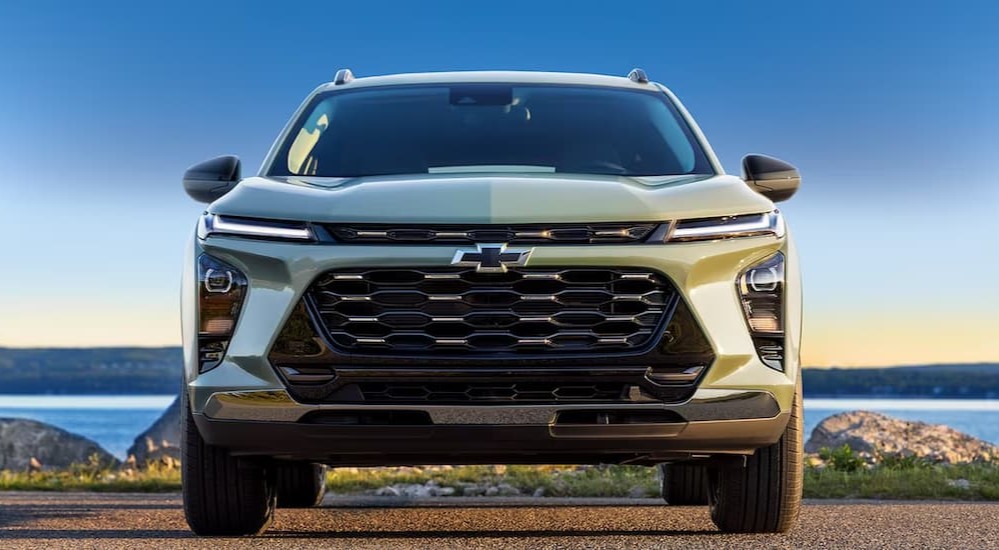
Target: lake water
{"points": [[115, 421]]}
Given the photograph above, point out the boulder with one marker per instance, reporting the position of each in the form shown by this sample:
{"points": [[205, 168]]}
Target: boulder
{"points": [[32, 445], [161, 441], [415, 490], [871, 434]]}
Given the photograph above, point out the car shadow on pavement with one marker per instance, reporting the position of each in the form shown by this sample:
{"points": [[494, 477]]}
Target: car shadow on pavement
{"points": [[98, 534], [484, 534], [441, 519], [17, 520], [95, 520]]}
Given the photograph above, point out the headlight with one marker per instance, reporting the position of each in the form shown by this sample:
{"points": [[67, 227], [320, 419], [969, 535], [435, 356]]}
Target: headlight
{"points": [[728, 227], [761, 289], [214, 224], [221, 290]]}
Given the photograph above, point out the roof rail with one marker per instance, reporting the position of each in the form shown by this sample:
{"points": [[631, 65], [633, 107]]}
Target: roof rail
{"points": [[638, 75], [343, 76]]}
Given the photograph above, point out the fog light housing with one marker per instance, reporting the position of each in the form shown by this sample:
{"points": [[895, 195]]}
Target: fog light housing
{"points": [[221, 290], [761, 289]]}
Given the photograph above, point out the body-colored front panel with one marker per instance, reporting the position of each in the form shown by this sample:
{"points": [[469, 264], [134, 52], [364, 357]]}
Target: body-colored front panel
{"points": [[704, 273]]}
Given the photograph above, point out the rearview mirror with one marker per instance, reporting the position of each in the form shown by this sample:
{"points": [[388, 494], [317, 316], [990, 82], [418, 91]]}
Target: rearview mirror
{"points": [[209, 180], [770, 177]]}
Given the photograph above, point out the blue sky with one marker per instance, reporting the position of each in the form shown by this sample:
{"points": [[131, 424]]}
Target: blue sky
{"points": [[889, 110]]}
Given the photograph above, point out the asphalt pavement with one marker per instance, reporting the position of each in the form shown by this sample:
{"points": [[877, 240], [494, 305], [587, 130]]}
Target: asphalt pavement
{"points": [[93, 520]]}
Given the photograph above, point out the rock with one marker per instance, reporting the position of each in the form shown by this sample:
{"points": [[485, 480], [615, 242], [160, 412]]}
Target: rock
{"points": [[963, 484], [442, 491], [636, 492], [415, 490], [29, 444], [492, 491], [539, 492], [161, 441], [472, 490], [871, 434], [506, 490], [387, 492]]}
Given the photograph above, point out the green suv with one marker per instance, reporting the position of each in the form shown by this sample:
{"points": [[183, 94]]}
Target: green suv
{"points": [[491, 267]]}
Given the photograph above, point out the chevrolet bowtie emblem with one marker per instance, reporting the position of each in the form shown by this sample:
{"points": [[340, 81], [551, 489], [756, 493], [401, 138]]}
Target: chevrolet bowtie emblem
{"points": [[491, 258]]}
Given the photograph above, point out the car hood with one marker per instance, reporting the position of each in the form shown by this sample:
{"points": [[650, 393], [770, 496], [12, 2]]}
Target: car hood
{"points": [[490, 199]]}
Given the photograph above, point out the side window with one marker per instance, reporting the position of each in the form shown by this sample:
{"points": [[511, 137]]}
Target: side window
{"points": [[300, 158]]}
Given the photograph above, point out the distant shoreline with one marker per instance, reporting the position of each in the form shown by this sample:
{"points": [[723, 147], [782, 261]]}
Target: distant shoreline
{"points": [[156, 371], [844, 397]]}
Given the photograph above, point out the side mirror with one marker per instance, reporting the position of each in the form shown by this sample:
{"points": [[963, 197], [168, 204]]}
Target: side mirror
{"points": [[770, 177], [209, 180]]}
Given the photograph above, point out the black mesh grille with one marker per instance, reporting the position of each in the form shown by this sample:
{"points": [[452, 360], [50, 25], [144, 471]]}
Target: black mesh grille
{"points": [[600, 233], [460, 311]]}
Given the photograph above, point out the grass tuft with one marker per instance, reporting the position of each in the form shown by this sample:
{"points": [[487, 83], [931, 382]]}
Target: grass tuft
{"points": [[898, 479], [157, 478], [557, 481], [911, 482]]}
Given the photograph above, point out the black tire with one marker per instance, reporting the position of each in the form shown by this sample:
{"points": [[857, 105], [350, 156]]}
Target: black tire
{"points": [[685, 484], [765, 496], [223, 495], [300, 484]]}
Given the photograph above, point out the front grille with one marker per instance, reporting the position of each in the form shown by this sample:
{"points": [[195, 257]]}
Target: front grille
{"points": [[492, 392], [598, 233], [521, 311]]}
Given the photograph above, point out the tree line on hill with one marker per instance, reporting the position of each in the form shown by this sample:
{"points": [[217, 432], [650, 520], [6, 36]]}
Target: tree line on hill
{"points": [[82, 371], [962, 381], [147, 371]]}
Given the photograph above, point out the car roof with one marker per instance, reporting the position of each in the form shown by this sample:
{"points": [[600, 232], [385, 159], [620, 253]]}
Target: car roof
{"points": [[506, 77]]}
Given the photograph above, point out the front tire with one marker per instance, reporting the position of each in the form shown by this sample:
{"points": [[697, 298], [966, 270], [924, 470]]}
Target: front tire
{"points": [[765, 495], [223, 495], [300, 484], [684, 484]]}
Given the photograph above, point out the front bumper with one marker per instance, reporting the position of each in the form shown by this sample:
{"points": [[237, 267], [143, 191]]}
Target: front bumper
{"points": [[227, 405], [270, 423]]}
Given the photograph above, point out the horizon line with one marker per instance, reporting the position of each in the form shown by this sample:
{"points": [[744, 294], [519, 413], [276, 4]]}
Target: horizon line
{"points": [[817, 367]]}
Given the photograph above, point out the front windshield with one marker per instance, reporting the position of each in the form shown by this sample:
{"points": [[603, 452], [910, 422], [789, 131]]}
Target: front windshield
{"points": [[467, 128]]}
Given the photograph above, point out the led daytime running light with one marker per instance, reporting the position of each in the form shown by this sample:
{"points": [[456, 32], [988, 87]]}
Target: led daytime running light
{"points": [[213, 224], [753, 225]]}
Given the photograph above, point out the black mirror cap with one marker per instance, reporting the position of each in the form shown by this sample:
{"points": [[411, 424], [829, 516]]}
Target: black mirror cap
{"points": [[770, 177], [208, 181]]}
